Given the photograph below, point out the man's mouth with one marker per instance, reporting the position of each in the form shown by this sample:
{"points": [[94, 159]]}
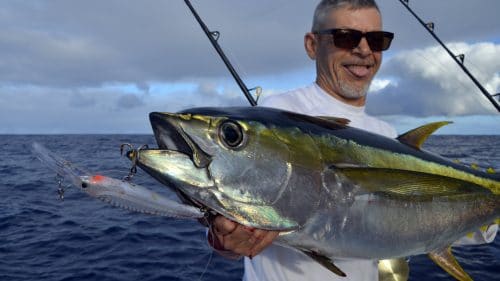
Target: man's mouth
{"points": [[358, 70]]}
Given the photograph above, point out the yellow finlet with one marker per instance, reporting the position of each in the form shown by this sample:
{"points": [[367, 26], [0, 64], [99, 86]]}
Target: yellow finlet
{"points": [[490, 170], [445, 259], [484, 228], [474, 166], [417, 136]]}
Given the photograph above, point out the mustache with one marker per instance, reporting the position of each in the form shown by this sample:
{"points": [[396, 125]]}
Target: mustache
{"points": [[365, 62]]}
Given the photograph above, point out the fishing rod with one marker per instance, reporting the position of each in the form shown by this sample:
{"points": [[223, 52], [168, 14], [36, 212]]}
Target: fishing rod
{"points": [[213, 36], [458, 59]]}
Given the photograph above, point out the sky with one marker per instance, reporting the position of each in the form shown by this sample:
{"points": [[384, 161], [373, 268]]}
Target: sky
{"points": [[97, 66]]}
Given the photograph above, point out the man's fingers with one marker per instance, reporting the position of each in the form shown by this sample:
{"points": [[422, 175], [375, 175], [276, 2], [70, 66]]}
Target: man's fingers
{"points": [[241, 239], [223, 226], [257, 236], [263, 240]]}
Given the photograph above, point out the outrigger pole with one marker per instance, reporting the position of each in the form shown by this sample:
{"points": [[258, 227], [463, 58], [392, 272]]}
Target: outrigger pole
{"points": [[213, 36], [459, 59]]}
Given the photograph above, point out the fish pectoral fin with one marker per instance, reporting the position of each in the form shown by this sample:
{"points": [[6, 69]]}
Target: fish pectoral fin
{"points": [[393, 269], [259, 216], [445, 259], [325, 261], [409, 184], [416, 137]]}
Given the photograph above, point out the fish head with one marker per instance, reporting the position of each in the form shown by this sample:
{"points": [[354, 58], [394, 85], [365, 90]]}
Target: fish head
{"points": [[228, 159]]}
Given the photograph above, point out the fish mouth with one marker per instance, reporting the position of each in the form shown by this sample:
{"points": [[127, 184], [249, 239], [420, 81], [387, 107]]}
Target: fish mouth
{"points": [[169, 135]]}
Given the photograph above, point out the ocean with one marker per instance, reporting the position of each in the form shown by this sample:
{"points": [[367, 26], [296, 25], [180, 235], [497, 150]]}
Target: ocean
{"points": [[80, 238]]}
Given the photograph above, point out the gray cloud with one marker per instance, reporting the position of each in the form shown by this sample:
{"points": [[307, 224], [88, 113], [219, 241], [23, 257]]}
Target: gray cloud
{"points": [[51, 110], [90, 43], [79, 100], [58, 59], [128, 101]]}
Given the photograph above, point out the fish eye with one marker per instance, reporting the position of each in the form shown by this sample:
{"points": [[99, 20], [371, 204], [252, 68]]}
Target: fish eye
{"points": [[231, 134]]}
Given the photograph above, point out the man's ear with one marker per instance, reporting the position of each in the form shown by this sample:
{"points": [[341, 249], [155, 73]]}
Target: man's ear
{"points": [[310, 44]]}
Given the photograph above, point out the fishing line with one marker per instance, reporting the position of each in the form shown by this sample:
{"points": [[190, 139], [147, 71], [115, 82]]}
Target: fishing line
{"points": [[206, 266], [442, 67], [430, 28], [469, 63], [475, 68], [237, 62], [213, 36]]}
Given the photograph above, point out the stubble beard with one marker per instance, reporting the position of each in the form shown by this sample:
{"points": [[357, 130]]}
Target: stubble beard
{"points": [[351, 92]]}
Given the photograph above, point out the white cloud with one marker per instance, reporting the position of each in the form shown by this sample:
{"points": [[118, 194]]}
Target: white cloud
{"points": [[379, 84], [431, 83]]}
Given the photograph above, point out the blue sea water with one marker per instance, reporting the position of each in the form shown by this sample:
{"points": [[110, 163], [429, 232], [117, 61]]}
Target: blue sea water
{"points": [[80, 238]]}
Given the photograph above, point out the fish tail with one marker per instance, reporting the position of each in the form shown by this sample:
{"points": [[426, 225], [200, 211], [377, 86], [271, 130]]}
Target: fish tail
{"points": [[57, 164]]}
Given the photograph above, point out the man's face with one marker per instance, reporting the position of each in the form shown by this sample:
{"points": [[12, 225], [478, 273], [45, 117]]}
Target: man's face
{"points": [[346, 74]]}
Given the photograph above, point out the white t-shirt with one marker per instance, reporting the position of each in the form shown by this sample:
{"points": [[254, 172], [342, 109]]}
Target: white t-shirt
{"points": [[277, 263], [314, 101]]}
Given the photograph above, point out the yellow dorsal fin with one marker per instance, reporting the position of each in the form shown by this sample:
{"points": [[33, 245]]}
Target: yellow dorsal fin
{"points": [[417, 136], [445, 259]]}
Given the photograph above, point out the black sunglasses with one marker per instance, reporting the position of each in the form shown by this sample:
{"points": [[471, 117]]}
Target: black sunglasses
{"points": [[349, 38]]}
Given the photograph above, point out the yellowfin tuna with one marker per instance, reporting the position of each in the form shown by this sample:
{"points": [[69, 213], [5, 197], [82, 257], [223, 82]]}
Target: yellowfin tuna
{"points": [[334, 191]]}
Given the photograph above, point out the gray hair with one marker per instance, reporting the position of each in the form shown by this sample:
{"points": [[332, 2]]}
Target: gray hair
{"points": [[326, 6]]}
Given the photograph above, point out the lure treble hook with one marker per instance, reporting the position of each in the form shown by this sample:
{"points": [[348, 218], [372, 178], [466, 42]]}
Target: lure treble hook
{"points": [[60, 187], [133, 155]]}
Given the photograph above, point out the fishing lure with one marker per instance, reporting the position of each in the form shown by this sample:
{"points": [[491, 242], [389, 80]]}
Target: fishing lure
{"points": [[119, 193]]}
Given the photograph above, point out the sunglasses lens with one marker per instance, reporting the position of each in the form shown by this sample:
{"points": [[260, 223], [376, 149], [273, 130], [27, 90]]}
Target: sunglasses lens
{"points": [[350, 38], [379, 40], [346, 38]]}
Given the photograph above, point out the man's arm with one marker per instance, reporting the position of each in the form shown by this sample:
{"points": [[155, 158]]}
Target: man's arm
{"points": [[233, 240]]}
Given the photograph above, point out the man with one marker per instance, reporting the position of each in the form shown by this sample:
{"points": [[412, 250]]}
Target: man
{"points": [[347, 43], [344, 70]]}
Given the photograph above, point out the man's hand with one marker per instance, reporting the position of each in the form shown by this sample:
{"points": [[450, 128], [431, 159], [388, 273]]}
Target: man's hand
{"points": [[239, 239]]}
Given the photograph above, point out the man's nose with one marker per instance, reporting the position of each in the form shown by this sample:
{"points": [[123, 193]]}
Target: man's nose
{"points": [[363, 48]]}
